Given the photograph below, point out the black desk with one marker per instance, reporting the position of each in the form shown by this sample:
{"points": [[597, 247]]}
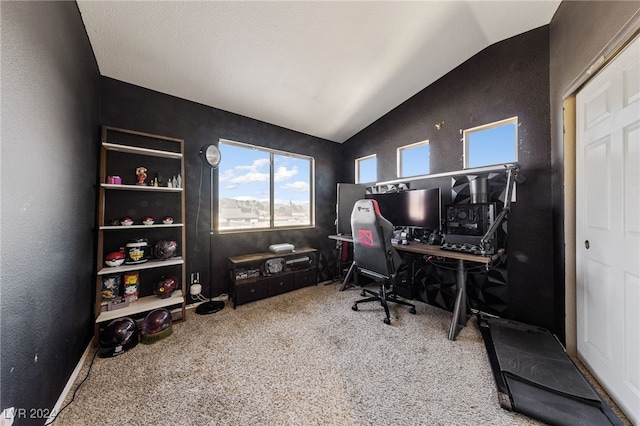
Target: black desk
{"points": [[459, 318]]}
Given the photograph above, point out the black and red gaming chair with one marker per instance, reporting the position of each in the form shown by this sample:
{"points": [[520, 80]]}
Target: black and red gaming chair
{"points": [[374, 255]]}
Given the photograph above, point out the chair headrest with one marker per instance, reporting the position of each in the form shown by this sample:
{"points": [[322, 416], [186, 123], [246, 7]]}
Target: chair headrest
{"points": [[372, 247], [365, 221], [366, 206]]}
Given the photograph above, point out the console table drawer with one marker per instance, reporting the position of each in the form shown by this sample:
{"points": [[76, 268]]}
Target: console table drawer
{"points": [[279, 284], [249, 292], [306, 278]]}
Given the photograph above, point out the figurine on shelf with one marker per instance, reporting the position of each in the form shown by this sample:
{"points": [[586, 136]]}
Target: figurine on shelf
{"points": [[141, 173]]}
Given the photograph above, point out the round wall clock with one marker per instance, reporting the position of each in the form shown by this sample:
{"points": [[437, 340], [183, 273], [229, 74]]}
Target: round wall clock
{"points": [[211, 155]]}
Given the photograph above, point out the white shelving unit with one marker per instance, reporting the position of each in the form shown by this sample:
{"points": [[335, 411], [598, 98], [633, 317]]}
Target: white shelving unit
{"points": [[124, 228], [144, 304], [139, 148], [153, 263], [139, 188]]}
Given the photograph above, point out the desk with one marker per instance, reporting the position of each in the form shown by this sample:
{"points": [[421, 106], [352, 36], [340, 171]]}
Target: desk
{"points": [[346, 239], [459, 318]]}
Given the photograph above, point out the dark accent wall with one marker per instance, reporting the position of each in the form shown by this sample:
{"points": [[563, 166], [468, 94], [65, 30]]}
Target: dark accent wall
{"points": [[50, 126], [578, 32], [50, 133], [132, 107], [509, 78]]}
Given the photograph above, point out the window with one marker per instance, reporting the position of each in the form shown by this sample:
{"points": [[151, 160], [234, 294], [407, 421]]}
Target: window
{"points": [[413, 160], [261, 189], [494, 143], [366, 169]]}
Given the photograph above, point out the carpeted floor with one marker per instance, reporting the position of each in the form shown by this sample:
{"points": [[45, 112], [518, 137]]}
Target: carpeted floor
{"points": [[301, 358]]}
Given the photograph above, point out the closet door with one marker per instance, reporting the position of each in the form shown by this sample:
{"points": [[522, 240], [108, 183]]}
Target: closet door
{"points": [[608, 228]]}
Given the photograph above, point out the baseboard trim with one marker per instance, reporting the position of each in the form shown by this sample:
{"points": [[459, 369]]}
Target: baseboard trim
{"points": [[70, 382]]}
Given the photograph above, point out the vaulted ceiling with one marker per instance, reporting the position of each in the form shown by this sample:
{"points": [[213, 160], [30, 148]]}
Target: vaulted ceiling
{"points": [[324, 68]]}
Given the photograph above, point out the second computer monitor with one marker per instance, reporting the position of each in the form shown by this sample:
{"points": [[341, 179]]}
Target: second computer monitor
{"points": [[419, 208]]}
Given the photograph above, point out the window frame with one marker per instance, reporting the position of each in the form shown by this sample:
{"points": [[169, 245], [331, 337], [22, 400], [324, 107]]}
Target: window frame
{"points": [[399, 161], [357, 163], [270, 225], [466, 134]]}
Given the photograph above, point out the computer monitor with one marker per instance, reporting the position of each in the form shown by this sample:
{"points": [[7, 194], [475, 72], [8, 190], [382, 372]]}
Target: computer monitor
{"points": [[418, 208]]}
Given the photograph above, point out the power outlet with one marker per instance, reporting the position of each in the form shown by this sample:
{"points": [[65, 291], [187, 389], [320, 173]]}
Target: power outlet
{"points": [[195, 278]]}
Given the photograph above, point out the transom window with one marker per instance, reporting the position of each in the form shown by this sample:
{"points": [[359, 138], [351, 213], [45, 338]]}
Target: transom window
{"points": [[367, 169], [260, 188], [413, 160], [491, 144]]}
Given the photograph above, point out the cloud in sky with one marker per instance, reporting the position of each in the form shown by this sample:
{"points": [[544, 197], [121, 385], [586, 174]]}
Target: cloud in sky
{"points": [[297, 186], [255, 166], [250, 177], [244, 174], [282, 173]]}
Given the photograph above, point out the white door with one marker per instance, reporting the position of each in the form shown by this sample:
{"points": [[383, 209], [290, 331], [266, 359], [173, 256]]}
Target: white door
{"points": [[608, 228]]}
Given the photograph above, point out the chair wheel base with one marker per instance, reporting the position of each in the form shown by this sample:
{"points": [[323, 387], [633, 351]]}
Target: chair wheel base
{"points": [[387, 321], [413, 311], [354, 307]]}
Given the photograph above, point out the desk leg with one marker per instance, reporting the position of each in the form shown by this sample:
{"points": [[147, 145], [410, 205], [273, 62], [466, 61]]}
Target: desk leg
{"points": [[459, 319], [350, 272], [340, 249]]}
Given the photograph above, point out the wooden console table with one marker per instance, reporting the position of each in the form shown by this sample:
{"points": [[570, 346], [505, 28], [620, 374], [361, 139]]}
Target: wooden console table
{"points": [[249, 281]]}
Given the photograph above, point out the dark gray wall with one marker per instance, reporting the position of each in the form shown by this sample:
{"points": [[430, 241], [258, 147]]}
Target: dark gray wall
{"points": [[578, 32], [50, 118], [128, 106], [50, 123], [510, 78]]}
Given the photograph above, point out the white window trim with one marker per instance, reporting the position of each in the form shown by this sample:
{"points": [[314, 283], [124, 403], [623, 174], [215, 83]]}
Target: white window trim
{"points": [[466, 132], [272, 152], [399, 156], [357, 166]]}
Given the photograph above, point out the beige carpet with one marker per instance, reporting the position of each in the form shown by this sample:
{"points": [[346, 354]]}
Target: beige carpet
{"points": [[301, 358]]}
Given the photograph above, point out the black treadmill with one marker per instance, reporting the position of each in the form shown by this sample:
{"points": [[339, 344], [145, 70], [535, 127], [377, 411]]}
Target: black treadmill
{"points": [[536, 377]]}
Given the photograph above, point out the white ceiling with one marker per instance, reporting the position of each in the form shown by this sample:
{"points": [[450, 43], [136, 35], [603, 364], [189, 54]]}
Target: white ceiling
{"points": [[324, 68]]}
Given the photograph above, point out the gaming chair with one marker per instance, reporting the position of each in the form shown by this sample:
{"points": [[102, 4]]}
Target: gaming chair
{"points": [[374, 255]]}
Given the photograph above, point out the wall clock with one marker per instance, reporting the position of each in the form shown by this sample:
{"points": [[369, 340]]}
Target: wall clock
{"points": [[211, 155]]}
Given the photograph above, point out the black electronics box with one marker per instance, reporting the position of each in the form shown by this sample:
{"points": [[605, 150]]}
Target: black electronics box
{"points": [[299, 262], [468, 223], [403, 285]]}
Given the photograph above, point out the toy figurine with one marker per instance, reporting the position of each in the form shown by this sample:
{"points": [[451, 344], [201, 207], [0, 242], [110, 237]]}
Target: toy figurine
{"points": [[141, 173]]}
